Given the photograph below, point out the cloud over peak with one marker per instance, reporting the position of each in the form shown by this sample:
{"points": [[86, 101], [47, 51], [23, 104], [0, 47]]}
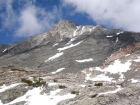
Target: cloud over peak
{"points": [[123, 14], [35, 20]]}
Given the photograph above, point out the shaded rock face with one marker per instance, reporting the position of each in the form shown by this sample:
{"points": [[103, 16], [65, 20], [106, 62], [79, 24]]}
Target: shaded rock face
{"points": [[65, 45], [2, 49]]}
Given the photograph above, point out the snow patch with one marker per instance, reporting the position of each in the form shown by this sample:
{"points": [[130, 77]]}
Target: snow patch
{"points": [[117, 39], [75, 31], [117, 67], [127, 55], [119, 33], [33, 97], [4, 50], [90, 29], [52, 84], [71, 40], [55, 44], [84, 60], [55, 56], [58, 70], [134, 80], [101, 77], [83, 86], [70, 46], [137, 60], [109, 36]]}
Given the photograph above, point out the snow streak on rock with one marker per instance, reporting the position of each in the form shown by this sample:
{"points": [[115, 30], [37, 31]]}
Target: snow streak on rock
{"points": [[71, 40], [75, 32], [137, 60], [55, 44], [67, 47], [34, 97], [119, 33], [134, 80], [4, 87], [82, 30], [109, 36], [4, 50], [55, 56], [84, 60], [58, 70], [117, 39]]}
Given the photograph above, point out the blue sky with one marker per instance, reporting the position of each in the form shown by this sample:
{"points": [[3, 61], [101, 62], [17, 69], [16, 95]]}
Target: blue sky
{"points": [[20, 19]]}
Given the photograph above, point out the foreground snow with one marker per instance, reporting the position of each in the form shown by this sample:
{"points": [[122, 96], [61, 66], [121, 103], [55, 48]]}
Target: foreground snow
{"points": [[4, 87], [33, 97]]}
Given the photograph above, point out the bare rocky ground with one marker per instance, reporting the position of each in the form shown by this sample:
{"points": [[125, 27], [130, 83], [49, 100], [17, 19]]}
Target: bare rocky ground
{"points": [[118, 91]]}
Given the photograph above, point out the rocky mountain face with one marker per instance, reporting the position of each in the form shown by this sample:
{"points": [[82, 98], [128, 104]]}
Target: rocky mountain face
{"points": [[72, 65]]}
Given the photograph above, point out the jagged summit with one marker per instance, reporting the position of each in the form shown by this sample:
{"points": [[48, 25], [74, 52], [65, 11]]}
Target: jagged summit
{"points": [[71, 42], [66, 23], [64, 29]]}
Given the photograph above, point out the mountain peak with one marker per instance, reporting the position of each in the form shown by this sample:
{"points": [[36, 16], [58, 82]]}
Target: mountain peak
{"points": [[63, 28], [66, 22]]}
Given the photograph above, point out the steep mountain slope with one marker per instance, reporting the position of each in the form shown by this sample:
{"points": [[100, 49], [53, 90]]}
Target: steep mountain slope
{"points": [[72, 65], [65, 45]]}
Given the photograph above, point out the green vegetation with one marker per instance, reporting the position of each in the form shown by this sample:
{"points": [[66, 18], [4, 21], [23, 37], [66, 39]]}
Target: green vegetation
{"points": [[89, 86], [29, 82], [18, 70], [35, 83], [62, 87], [98, 84], [75, 92], [55, 80]]}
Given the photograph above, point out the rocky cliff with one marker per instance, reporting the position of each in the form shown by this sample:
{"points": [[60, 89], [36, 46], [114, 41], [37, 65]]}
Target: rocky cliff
{"points": [[66, 43]]}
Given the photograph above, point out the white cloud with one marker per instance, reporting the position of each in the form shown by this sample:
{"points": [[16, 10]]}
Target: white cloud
{"points": [[29, 19], [123, 14], [35, 20], [9, 17]]}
